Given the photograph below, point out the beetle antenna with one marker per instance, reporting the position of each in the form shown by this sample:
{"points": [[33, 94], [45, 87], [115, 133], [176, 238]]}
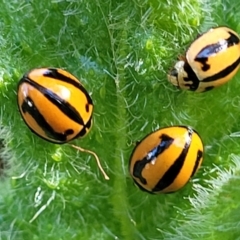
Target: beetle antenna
{"points": [[96, 157]]}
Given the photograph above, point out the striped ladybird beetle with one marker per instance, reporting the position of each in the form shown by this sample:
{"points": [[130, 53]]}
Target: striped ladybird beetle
{"points": [[55, 105], [211, 60], [165, 160]]}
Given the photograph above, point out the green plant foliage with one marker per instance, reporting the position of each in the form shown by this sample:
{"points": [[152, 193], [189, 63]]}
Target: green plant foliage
{"points": [[121, 51]]}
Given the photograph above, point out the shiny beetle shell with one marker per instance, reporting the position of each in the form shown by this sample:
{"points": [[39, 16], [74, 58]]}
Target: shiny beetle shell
{"points": [[211, 60], [54, 104], [165, 160]]}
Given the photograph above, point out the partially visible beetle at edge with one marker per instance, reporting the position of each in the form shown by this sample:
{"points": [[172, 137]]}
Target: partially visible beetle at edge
{"points": [[212, 59]]}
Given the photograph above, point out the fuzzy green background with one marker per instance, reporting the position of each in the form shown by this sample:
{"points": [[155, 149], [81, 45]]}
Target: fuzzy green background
{"points": [[121, 51]]}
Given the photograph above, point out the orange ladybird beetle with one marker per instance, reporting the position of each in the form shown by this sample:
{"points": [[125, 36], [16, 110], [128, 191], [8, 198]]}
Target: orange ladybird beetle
{"points": [[211, 60], [165, 160], [55, 105]]}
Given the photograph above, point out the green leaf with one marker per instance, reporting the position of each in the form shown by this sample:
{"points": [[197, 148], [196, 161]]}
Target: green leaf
{"points": [[121, 51]]}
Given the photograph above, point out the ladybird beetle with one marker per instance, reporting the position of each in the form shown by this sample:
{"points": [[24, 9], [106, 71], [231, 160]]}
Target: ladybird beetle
{"points": [[55, 106], [165, 160], [210, 61]]}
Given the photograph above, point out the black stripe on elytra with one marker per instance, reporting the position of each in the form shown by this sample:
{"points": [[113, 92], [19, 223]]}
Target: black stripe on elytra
{"points": [[28, 106], [223, 73], [173, 171], [165, 142], [55, 74], [198, 159], [207, 51], [86, 127], [60, 103]]}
